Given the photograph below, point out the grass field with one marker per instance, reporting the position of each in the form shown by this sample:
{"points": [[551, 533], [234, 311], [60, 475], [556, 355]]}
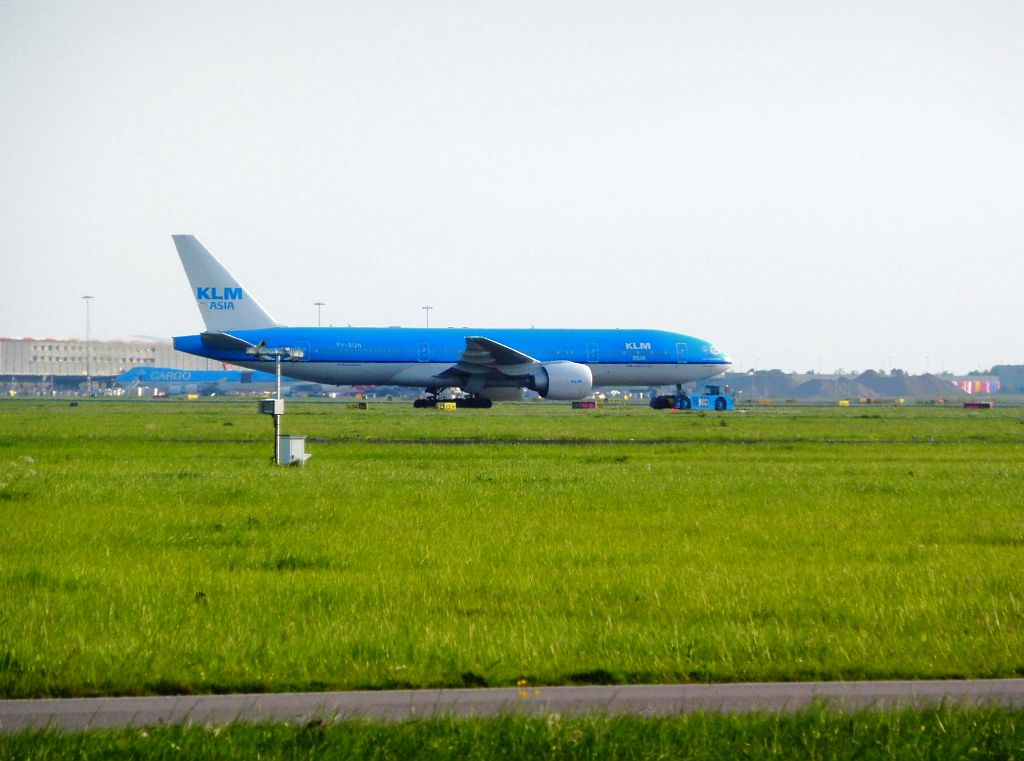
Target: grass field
{"points": [[935, 734], [151, 547]]}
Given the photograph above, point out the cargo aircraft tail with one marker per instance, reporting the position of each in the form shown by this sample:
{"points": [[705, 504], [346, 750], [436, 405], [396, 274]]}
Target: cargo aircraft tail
{"points": [[223, 303]]}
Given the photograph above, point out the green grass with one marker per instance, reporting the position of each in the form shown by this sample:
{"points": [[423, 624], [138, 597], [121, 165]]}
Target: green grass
{"points": [[942, 734], [150, 547]]}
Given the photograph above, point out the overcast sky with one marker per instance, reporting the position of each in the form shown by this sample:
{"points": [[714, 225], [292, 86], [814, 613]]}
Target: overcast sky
{"points": [[807, 184]]}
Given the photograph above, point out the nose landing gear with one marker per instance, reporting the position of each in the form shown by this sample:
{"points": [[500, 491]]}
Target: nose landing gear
{"points": [[712, 398]]}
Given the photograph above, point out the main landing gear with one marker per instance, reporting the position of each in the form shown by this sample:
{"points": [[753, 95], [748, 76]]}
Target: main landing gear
{"points": [[468, 402]]}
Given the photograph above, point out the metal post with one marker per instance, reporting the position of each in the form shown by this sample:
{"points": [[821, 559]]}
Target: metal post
{"points": [[277, 439], [276, 405], [319, 306], [427, 310], [277, 418]]}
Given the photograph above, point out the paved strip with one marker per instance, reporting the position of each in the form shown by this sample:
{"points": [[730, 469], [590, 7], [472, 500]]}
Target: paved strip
{"points": [[396, 705]]}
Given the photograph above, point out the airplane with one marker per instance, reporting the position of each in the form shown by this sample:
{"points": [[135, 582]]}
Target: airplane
{"points": [[173, 381], [487, 364]]}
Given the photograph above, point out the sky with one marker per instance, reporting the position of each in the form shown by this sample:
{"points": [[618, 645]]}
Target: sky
{"points": [[809, 185]]}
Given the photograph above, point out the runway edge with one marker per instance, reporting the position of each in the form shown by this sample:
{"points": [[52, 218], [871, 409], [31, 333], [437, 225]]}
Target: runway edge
{"points": [[74, 714]]}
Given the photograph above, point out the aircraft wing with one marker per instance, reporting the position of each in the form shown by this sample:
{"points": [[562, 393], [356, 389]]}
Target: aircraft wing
{"points": [[481, 353], [484, 359]]}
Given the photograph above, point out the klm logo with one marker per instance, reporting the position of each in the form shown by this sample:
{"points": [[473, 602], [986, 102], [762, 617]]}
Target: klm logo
{"points": [[635, 346], [225, 294], [223, 298]]}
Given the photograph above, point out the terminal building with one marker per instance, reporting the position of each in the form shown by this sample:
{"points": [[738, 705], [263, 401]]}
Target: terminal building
{"points": [[49, 365]]}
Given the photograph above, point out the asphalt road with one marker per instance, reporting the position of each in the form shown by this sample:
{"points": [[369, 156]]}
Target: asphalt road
{"points": [[394, 705]]}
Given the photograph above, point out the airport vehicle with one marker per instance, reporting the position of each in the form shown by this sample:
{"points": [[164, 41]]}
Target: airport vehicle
{"points": [[172, 381], [486, 364], [711, 399]]}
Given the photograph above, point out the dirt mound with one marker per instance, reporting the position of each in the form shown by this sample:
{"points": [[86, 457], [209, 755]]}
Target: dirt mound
{"points": [[828, 388], [906, 386], [772, 384]]}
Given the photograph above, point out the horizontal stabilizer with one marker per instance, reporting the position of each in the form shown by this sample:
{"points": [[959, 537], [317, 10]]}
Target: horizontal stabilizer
{"points": [[224, 341]]}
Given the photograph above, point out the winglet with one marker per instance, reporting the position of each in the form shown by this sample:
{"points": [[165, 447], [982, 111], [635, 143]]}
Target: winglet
{"points": [[223, 303]]}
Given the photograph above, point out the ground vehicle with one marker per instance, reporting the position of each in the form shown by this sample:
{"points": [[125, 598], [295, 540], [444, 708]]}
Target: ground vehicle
{"points": [[712, 399]]}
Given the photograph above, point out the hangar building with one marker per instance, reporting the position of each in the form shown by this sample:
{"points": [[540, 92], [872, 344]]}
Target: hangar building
{"points": [[46, 365]]}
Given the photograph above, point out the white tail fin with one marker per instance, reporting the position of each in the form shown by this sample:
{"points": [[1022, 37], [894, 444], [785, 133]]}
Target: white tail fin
{"points": [[222, 301]]}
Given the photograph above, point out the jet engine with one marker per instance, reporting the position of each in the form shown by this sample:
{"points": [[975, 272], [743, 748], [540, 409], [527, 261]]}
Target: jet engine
{"points": [[562, 380]]}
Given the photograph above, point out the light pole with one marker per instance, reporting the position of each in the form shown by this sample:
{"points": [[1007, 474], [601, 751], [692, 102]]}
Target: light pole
{"points": [[88, 350], [319, 305], [427, 310]]}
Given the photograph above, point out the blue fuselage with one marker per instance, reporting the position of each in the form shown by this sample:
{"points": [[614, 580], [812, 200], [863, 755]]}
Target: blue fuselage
{"points": [[417, 356]]}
